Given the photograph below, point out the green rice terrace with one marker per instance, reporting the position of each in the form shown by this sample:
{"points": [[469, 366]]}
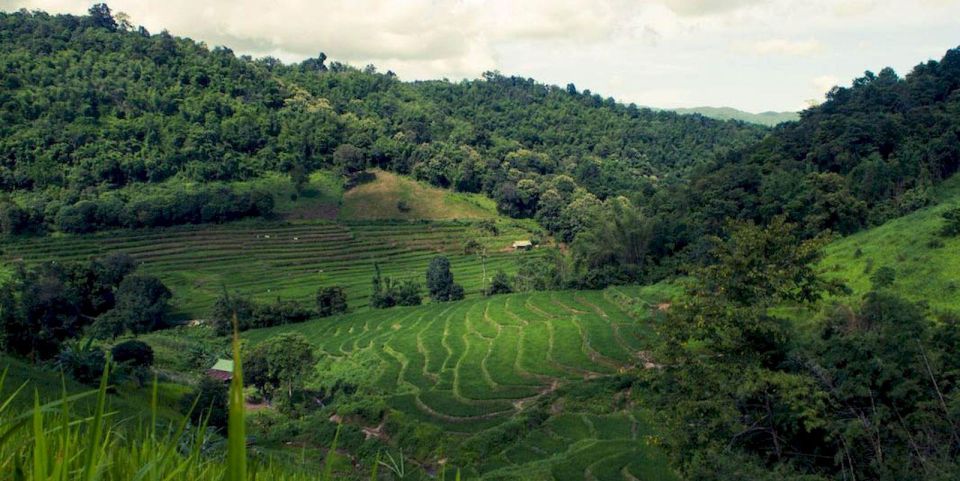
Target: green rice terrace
{"points": [[287, 260], [471, 367]]}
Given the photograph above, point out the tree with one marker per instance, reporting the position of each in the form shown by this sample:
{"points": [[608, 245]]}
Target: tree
{"points": [[229, 307], [280, 364], [142, 303], [40, 310], [13, 219], [210, 399], [349, 160], [331, 300], [134, 358], [300, 177], [500, 284], [100, 17], [133, 353], [440, 282], [615, 248]]}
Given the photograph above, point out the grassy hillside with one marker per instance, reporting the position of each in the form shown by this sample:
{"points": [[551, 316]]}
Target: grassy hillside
{"points": [[469, 367], [291, 258], [728, 113], [927, 265], [380, 199]]}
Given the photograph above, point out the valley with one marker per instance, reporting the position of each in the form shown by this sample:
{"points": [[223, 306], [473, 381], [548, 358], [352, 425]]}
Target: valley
{"points": [[222, 267]]}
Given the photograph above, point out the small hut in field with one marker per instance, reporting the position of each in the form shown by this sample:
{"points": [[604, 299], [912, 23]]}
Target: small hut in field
{"points": [[522, 245], [222, 370]]}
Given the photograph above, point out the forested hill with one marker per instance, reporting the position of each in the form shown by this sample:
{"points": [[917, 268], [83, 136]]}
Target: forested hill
{"points": [[871, 152], [104, 125], [90, 106], [728, 113]]}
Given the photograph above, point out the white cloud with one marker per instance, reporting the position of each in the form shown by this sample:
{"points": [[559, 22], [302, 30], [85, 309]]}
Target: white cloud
{"points": [[707, 7], [820, 85], [782, 46]]}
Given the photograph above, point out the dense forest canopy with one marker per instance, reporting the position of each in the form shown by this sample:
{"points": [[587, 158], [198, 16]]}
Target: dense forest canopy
{"points": [[104, 124], [90, 106]]}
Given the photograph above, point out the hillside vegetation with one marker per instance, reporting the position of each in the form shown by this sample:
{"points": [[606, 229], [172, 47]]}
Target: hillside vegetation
{"points": [[476, 370], [699, 299], [925, 263]]}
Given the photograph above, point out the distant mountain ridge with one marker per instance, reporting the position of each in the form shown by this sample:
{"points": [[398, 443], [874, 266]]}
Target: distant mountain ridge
{"points": [[768, 118]]}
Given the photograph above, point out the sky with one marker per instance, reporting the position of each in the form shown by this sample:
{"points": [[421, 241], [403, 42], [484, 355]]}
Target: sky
{"points": [[755, 55]]}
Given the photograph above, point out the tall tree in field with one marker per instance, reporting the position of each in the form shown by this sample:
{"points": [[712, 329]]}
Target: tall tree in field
{"points": [[440, 281]]}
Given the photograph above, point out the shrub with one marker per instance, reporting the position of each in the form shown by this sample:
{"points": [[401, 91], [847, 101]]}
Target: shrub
{"points": [[472, 246], [226, 307], [386, 293], [211, 400], [488, 226], [408, 293], [500, 284], [952, 226], [82, 362], [132, 353], [402, 206], [253, 315], [331, 300], [277, 314], [883, 277]]}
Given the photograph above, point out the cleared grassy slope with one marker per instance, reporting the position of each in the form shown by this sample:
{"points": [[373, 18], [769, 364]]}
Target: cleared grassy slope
{"points": [[470, 366], [379, 200], [927, 265]]}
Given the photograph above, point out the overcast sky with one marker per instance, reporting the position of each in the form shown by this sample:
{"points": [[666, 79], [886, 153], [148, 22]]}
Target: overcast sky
{"points": [[750, 54]]}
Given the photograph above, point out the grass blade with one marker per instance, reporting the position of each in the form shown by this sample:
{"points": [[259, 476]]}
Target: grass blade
{"points": [[236, 430]]}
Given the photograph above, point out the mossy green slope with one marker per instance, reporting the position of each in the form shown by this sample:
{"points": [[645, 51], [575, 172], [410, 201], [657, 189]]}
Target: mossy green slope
{"points": [[927, 265]]}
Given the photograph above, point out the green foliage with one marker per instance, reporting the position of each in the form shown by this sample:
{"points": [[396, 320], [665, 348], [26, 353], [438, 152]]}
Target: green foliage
{"points": [[440, 282], [250, 314], [43, 306], [883, 277], [615, 248], [83, 362], [331, 300], [387, 293], [751, 384], [499, 284], [926, 264], [133, 353], [951, 227], [142, 303], [349, 160], [199, 115], [280, 365], [207, 405]]}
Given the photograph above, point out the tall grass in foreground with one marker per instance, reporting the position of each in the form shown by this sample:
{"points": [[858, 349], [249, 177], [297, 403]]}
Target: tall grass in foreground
{"points": [[51, 442]]}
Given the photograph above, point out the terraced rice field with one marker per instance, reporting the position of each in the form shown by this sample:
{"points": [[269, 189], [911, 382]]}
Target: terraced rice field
{"points": [[288, 260], [469, 366]]}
